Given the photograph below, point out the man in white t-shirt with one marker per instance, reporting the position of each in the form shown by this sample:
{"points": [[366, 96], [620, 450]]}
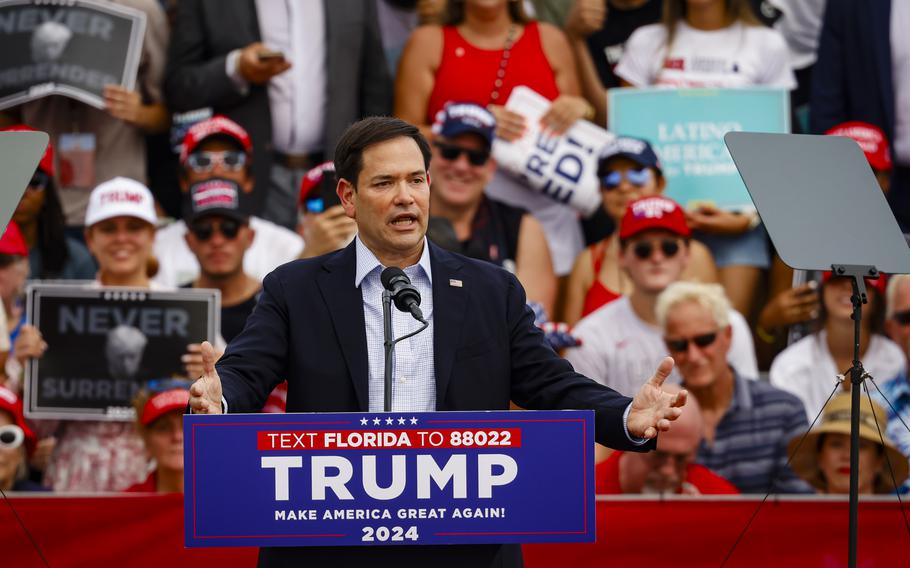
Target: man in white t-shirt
{"points": [[622, 337], [219, 148]]}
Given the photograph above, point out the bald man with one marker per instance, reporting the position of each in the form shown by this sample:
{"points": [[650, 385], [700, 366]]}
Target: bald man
{"points": [[669, 469]]}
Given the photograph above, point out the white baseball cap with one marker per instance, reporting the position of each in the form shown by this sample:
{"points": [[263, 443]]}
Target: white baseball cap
{"points": [[120, 197]]}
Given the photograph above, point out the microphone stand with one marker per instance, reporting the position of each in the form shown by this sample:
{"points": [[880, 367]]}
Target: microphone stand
{"points": [[388, 344]]}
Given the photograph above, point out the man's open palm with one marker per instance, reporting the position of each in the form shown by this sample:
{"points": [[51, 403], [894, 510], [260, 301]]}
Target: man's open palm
{"points": [[652, 408], [205, 394]]}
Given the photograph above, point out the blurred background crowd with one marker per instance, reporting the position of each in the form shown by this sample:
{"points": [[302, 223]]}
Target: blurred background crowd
{"points": [[242, 102]]}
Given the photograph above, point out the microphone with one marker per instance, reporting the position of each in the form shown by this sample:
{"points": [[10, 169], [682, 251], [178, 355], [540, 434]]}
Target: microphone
{"points": [[404, 294]]}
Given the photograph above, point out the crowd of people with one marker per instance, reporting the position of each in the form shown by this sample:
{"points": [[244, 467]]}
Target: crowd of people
{"points": [[251, 185]]}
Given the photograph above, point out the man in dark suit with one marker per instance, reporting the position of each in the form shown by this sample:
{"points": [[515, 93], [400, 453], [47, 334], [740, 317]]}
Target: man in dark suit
{"points": [[293, 74], [318, 324], [862, 73]]}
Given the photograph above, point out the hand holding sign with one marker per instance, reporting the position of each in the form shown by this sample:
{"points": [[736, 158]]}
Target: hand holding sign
{"points": [[205, 394], [652, 408]]}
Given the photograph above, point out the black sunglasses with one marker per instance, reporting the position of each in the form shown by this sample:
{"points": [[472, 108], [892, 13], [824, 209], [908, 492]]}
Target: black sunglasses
{"points": [[902, 318], [682, 345], [39, 181], [644, 249], [451, 152], [203, 230]]}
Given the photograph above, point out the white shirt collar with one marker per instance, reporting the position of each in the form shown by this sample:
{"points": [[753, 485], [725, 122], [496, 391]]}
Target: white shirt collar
{"points": [[367, 261]]}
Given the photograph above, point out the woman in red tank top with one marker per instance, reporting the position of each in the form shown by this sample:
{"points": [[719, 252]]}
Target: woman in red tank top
{"points": [[485, 50]]}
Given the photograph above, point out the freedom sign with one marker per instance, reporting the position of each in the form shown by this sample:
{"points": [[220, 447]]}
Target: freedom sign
{"points": [[686, 127], [380, 479], [104, 343], [71, 48]]}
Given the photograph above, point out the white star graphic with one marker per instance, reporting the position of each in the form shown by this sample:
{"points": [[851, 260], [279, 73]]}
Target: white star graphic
{"points": [[363, 421], [389, 421], [413, 421], [401, 420], [376, 421]]}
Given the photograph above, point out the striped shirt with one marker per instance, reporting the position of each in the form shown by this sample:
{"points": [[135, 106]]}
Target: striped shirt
{"points": [[897, 393], [750, 443]]}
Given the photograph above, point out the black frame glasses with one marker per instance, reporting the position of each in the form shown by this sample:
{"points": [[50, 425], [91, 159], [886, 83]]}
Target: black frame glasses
{"points": [[681, 345], [451, 152], [644, 249], [203, 230]]}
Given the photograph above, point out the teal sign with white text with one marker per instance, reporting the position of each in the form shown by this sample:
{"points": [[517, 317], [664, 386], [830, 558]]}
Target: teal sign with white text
{"points": [[686, 127]]}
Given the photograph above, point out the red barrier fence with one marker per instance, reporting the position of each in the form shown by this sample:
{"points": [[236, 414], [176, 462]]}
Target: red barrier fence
{"points": [[143, 531]]}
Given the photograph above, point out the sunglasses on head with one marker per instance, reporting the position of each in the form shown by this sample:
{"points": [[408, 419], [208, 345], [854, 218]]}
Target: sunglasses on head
{"points": [[451, 152], [161, 385], [638, 178], [203, 230], [203, 162], [902, 318], [682, 345], [11, 436], [39, 181], [644, 249]]}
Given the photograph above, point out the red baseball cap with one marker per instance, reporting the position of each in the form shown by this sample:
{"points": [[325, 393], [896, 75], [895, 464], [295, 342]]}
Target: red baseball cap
{"points": [[650, 213], [47, 160], [218, 125], [879, 284], [12, 242], [13, 405], [163, 402], [870, 138], [313, 178]]}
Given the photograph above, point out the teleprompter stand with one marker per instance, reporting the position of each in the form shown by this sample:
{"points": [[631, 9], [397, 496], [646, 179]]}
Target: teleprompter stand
{"points": [[824, 210]]}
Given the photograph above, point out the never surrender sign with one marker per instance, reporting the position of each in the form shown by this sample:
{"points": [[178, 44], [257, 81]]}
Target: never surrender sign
{"points": [[104, 343], [71, 48], [359, 479]]}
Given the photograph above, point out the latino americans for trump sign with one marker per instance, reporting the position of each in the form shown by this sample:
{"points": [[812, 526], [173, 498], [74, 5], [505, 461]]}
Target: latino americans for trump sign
{"points": [[72, 48], [359, 479]]}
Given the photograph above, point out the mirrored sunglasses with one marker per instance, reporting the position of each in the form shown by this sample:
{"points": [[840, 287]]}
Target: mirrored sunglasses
{"points": [[203, 162], [638, 178], [644, 249], [682, 345], [451, 152], [203, 230], [11, 436]]}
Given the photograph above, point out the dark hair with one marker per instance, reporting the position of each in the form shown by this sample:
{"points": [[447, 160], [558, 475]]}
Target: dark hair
{"points": [[675, 11], [454, 12], [51, 234], [369, 132]]}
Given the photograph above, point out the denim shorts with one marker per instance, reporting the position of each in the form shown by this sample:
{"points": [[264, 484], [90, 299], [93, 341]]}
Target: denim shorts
{"points": [[751, 248]]}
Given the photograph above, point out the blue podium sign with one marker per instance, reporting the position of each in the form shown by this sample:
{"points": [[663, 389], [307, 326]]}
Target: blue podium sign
{"points": [[389, 479]]}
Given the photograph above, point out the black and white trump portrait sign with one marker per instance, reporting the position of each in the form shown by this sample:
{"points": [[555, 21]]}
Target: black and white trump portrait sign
{"points": [[72, 48], [104, 343]]}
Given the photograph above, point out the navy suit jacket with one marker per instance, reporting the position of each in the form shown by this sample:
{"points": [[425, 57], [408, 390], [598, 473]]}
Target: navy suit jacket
{"points": [[308, 328], [852, 75]]}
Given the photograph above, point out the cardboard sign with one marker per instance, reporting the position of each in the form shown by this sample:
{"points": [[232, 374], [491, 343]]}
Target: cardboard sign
{"points": [[71, 48], [686, 127], [365, 479], [104, 343], [564, 168]]}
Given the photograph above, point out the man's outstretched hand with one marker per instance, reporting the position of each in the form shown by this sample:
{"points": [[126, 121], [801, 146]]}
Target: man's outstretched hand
{"points": [[652, 408], [205, 394]]}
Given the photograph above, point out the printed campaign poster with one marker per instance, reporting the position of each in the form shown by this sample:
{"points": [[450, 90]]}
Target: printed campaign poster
{"points": [[686, 127], [104, 343], [71, 48], [564, 167], [368, 479]]}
